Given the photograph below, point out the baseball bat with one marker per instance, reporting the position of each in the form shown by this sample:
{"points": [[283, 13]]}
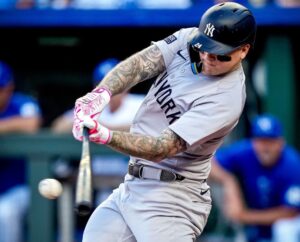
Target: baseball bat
{"points": [[83, 194]]}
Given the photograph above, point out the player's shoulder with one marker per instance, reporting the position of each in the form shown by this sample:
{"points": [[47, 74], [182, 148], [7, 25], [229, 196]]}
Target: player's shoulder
{"points": [[180, 36], [239, 147], [187, 31], [184, 34], [235, 155], [242, 144], [291, 155], [232, 77], [228, 86]]}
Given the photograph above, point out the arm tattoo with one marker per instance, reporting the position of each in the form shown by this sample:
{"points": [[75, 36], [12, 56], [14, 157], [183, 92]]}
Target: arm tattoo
{"points": [[143, 65], [147, 147]]}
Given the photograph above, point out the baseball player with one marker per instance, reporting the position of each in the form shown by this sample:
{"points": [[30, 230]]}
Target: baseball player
{"points": [[18, 113], [196, 99], [263, 171]]}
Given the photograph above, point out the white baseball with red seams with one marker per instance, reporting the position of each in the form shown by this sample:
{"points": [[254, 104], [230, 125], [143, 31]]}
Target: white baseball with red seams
{"points": [[50, 188]]}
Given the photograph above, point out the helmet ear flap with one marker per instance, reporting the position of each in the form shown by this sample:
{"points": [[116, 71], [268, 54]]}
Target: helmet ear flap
{"points": [[196, 63]]}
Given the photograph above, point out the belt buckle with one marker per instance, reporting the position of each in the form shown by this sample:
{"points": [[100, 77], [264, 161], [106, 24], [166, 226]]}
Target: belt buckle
{"points": [[137, 170], [140, 170], [174, 176], [168, 172]]}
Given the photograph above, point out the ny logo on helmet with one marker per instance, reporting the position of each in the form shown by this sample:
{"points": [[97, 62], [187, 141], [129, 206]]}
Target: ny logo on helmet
{"points": [[209, 30]]}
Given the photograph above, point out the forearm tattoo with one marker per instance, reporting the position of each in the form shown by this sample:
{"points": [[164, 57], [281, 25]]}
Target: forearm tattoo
{"points": [[139, 67], [155, 149]]}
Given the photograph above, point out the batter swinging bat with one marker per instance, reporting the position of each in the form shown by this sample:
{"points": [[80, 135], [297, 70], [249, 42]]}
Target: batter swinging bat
{"points": [[83, 203]]}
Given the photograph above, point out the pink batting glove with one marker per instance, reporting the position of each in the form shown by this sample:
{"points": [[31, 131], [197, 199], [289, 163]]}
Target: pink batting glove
{"points": [[92, 103], [98, 133], [77, 129]]}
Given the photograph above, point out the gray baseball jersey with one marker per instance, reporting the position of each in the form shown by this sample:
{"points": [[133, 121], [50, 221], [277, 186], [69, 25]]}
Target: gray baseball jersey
{"points": [[200, 109]]}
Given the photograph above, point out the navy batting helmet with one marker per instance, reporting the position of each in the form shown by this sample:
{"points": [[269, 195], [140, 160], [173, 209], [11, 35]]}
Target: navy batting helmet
{"points": [[6, 75], [103, 68], [223, 28], [266, 126]]}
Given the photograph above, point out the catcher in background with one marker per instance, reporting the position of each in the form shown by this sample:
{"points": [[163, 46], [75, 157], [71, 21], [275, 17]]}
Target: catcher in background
{"points": [[195, 101], [261, 182]]}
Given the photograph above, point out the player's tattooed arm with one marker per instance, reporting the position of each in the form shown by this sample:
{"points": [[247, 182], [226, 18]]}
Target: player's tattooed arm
{"points": [[141, 66], [147, 147]]}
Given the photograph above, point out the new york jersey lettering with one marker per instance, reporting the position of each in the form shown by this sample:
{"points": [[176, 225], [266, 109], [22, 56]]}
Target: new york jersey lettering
{"points": [[164, 99]]}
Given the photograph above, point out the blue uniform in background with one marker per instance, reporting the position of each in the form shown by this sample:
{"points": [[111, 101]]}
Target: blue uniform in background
{"points": [[12, 171], [263, 187], [14, 192]]}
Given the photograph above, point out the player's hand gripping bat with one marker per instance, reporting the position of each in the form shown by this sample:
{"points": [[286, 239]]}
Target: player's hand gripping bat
{"points": [[83, 203]]}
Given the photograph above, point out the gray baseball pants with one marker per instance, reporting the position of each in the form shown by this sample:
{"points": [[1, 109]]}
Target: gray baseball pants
{"points": [[151, 211]]}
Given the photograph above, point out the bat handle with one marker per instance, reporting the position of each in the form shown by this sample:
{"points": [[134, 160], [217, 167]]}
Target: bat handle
{"points": [[84, 208], [85, 132]]}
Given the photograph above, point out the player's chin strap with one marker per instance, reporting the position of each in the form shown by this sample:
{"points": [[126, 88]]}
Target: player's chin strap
{"points": [[196, 63]]}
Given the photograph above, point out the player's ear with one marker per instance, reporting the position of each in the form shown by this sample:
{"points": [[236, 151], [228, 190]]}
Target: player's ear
{"points": [[244, 50]]}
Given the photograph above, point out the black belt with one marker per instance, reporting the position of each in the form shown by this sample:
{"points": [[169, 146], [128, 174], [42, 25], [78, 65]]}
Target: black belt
{"points": [[148, 172]]}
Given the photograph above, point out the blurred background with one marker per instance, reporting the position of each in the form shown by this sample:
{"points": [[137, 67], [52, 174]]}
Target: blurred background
{"points": [[52, 48]]}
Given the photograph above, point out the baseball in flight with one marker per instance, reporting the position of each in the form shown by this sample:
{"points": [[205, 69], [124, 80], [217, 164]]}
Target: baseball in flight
{"points": [[50, 188]]}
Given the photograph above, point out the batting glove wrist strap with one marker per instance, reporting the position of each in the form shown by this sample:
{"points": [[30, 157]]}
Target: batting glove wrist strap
{"points": [[98, 133], [102, 90]]}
